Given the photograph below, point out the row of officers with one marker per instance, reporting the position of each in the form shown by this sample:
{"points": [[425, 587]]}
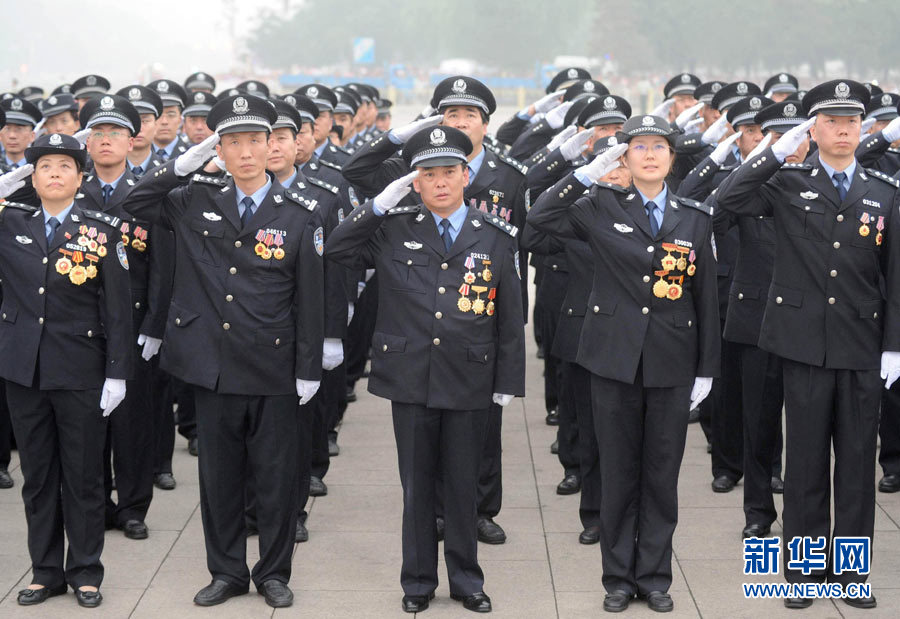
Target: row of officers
{"points": [[654, 235]]}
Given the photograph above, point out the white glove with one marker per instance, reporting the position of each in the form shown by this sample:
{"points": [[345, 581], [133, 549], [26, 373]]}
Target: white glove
{"points": [[721, 151], [220, 163], [502, 398], [716, 131], [662, 110], [306, 389], [693, 125], [759, 148], [197, 155], [151, 346], [548, 102], [82, 136], [890, 367], [12, 181], [426, 111], [350, 309], [702, 387], [394, 192], [682, 119], [557, 115], [573, 147], [891, 133], [866, 125], [39, 129], [402, 134], [603, 163], [112, 396], [788, 143], [360, 286], [332, 353], [369, 274], [561, 137]]}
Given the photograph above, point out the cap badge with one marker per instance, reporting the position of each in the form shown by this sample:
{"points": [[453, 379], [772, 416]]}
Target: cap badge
{"points": [[16, 104], [716, 87], [163, 87], [134, 94], [790, 110], [755, 103], [91, 80], [52, 100], [55, 139], [609, 103], [842, 90], [66, 89], [685, 78], [742, 88], [312, 91], [885, 99], [783, 78], [198, 97], [611, 141], [648, 121], [588, 86], [290, 100], [459, 86], [240, 106], [107, 103], [572, 74], [251, 86], [438, 137], [200, 76]]}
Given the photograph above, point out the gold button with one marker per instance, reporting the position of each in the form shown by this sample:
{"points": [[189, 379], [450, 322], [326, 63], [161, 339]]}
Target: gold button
{"points": [[646, 278], [178, 321], [277, 341], [778, 300], [645, 310], [569, 312], [409, 262], [833, 273], [875, 315], [44, 260], [840, 218], [90, 333], [650, 249], [436, 341], [41, 290], [596, 309], [384, 348], [237, 243], [226, 326], [438, 315], [690, 323], [442, 290], [40, 321], [837, 245], [206, 233], [233, 270], [229, 298], [740, 296], [831, 300], [444, 266], [805, 208], [137, 305]]}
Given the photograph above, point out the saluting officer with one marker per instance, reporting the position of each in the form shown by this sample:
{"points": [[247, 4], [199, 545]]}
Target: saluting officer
{"points": [[836, 255], [449, 343], [200, 82], [65, 352], [650, 340], [247, 252], [881, 148], [326, 101], [87, 87], [60, 114], [168, 143]]}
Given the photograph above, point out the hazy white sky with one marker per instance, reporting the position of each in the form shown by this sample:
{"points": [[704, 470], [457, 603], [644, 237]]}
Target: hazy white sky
{"points": [[49, 42]]}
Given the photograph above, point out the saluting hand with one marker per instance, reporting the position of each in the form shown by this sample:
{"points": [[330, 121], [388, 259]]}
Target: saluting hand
{"points": [[82, 136], [692, 126], [891, 133], [721, 151], [198, 154], [716, 131], [603, 163], [662, 110], [763, 145], [394, 192], [402, 134], [561, 137], [685, 117], [557, 116], [788, 143], [547, 102], [574, 146], [12, 181]]}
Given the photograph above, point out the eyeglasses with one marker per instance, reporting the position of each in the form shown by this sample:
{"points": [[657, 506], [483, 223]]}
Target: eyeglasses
{"points": [[643, 149], [112, 135]]}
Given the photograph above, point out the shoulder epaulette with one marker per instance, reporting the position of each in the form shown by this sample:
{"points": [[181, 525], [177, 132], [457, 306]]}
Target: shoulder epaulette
{"points": [[890, 180], [512, 162], [104, 217], [796, 166], [209, 180], [293, 196], [330, 164], [18, 205], [700, 206], [403, 210], [893, 150], [612, 186], [498, 222], [324, 185]]}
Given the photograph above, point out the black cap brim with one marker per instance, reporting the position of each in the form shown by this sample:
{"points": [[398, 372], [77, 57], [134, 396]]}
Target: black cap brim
{"points": [[34, 153], [437, 162]]}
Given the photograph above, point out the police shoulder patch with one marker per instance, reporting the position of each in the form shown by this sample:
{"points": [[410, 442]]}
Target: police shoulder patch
{"points": [[17, 205], [298, 198], [319, 240], [323, 184], [330, 164], [104, 217], [499, 222], [700, 206], [122, 255], [520, 167], [209, 180], [890, 180]]}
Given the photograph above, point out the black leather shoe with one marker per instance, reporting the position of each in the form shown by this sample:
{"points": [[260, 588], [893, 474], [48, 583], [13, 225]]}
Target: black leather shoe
{"points": [[777, 485], [591, 535], [795, 603], [317, 487], [571, 484], [301, 534], [277, 594], [617, 601], [30, 597], [477, 602], [540, 351], [351, 394], [192, 446], [416, 603], [135, 529], [755, 530], [888, 483], [439, 524], [333, 449], [88, 599], [723, 483], [552, 418], [216, 592], [554, 447], [164, 481], [489, 532], [6, 480], [660, 602], [864, 603]]}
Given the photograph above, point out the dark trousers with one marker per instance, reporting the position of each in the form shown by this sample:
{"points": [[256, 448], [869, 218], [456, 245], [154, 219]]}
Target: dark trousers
{"points": [[762, 390], [567, 433], [129, 444], [60, 435], [360, 330], [187, 410], [5, 429], [428, 441], [641, 432], [240, 436], [824, 409], [889, 431], [163, 394], [490, 470], [324, 417], [547, 320], [727, 425], [579, 383]]}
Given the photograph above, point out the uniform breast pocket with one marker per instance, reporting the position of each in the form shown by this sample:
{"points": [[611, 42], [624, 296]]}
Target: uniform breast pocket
{"points": [[866, 232], [805, 218], [205, 237], [410, 269]]}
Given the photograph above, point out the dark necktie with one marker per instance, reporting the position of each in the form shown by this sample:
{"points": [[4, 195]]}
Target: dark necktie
{"points": [[162, 155], [445, 234], [137, 170], [838, 180], [53, 224], [651, 213], [247, 202], [107, 192]]}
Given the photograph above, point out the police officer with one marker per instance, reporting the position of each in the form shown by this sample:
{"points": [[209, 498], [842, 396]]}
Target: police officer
{"points": [[168, 143], [200, 82], [326, 101], [680, 91], [383, 115], [6, 480], [652, 331], [141, 158], [87, 87], [881, 148], [246, 250], [65, 352], [60, 114], [194, 116], [825, 315], [442, 357], [780, 87], [17, 135]]}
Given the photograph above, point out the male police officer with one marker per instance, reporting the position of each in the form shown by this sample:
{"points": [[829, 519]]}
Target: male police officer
{"points": [[449, 342]]}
